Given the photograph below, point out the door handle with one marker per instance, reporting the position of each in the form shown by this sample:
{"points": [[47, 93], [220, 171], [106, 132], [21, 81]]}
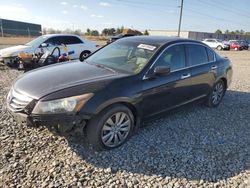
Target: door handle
{"points": [[184, 76], [214, 67]]}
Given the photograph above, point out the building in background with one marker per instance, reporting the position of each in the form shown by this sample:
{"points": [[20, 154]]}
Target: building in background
{"points": [[198, 35], [16, 28]]}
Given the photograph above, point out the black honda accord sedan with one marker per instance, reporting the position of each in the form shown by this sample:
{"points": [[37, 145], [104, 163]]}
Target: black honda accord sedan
{"points": [[119, 86]]}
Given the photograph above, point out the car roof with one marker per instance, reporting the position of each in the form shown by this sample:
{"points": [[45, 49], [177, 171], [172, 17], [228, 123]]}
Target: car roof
{"points": [[61, 34], [158, 40]]}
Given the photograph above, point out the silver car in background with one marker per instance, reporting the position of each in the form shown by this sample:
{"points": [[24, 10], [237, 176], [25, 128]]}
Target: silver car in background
{"points": [[216, 44]]}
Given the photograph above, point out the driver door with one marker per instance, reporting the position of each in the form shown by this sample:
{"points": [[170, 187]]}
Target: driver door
{"points": [[51, 44], [164, 92]]}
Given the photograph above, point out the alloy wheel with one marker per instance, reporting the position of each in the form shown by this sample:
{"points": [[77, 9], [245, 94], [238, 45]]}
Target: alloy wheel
{"points": [[85, 55], [217, 93], [116, 129]]}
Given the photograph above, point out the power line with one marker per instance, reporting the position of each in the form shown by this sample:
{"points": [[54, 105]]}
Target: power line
{"points": [[140, 5], [130, 3], [228, 10], [214, 17], [147, 3], [232, 8]]}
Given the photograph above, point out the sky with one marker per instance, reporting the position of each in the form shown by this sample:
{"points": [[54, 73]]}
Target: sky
{"points": [[198, 15]]}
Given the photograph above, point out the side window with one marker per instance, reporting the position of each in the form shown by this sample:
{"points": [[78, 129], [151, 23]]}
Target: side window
{"points": [[210, 55], [173, 57], [53, 41], [196, 54], [71, 40]]}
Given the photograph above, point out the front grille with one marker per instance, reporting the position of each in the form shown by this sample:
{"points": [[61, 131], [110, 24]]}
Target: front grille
{"points": [[16, 101]]}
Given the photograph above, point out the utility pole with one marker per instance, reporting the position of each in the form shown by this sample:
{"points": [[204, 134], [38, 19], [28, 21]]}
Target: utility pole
{"points": [[179, 29]]}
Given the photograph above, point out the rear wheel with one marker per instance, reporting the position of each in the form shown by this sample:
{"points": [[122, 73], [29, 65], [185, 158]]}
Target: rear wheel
{"points": [[111, 128], [216, 95]]}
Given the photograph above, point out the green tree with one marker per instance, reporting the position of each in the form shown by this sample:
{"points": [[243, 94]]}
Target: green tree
{"points": [[105, 32], [242, 32], [146, 32], [119, 30], [88, 31], [218, 31], [112, 31], [237, 31], [94, 33]]}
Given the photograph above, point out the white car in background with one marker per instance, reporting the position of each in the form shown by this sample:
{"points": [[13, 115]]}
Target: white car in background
{"points": [[80, 47], [216, 44]]}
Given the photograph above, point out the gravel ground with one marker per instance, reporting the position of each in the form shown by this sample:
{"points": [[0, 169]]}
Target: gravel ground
{"points": [[194, 147]]}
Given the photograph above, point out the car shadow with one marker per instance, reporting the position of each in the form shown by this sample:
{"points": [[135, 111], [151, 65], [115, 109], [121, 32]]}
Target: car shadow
{"points": [[196, 143]]}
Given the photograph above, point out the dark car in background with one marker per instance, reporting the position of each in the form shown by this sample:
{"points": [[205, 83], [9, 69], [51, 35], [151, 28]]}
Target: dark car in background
{"points": [[244, 44], [114, 38], [120, 86]]}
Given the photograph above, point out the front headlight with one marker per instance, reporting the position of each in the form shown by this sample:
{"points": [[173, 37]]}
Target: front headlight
{"points": [[65, 105]]}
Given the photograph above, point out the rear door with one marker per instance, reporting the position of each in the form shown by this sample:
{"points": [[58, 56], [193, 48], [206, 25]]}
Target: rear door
{"points": [[203, 69], [167, 91], [74, 45]]}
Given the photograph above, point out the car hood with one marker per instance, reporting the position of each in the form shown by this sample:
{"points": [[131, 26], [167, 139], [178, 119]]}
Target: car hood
{"points": [[41, 82], [15, 50]]}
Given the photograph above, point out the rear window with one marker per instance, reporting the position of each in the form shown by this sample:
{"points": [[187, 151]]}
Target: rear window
{"points": [[210, 55], [196, 54]]}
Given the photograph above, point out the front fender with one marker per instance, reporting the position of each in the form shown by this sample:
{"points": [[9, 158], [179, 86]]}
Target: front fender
{"points": [[110, 102]]}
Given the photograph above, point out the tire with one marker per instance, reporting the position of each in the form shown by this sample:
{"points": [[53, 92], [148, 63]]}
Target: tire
{"points": [[104, 130], [84, 55], [219, 48], [216, 95]]}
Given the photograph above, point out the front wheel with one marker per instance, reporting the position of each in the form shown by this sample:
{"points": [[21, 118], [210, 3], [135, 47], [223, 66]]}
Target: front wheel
{"points": [[111, 128], [84, 55], [219, 48], [216, 95]]}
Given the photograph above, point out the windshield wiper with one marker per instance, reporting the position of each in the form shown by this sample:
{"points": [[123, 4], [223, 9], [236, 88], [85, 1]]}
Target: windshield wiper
{"points": [[101, 66], [105, 67]]}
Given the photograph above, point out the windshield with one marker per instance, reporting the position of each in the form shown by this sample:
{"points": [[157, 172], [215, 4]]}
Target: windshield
{"points": [[124, 56], [37, 42]]}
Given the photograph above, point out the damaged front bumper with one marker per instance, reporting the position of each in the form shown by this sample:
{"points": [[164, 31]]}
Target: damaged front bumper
{"points": [[9, 61], [63, 123]]}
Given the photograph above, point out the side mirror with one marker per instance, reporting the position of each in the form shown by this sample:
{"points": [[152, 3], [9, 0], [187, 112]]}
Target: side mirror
{"points": [[44, 45], [161, 70]]}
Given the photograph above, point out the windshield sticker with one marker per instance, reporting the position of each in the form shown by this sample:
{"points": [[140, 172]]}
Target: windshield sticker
{"points": [[146, 47]]}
